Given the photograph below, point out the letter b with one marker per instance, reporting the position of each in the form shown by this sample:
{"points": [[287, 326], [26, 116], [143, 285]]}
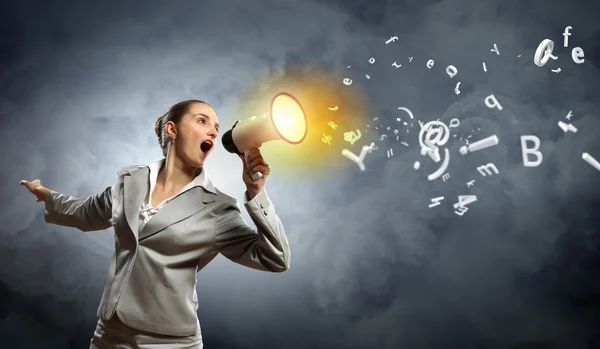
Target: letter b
{"points": [[534, 151]]}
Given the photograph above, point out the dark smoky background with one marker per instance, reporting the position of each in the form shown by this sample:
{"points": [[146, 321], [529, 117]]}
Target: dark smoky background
{"points": [[372, 265]]}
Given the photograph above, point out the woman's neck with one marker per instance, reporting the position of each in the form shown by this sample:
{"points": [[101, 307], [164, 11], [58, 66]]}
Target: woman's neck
{"points": [[174, 174]]}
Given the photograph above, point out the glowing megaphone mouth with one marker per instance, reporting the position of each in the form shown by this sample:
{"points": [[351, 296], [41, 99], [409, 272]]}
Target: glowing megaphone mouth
{"points": [[286, 121]]}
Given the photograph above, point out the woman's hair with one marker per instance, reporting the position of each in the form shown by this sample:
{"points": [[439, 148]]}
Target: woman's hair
{"points": [[174, 114]]}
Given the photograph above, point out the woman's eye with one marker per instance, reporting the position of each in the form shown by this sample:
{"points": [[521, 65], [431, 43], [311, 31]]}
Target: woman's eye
{"points": [[203, 121]]}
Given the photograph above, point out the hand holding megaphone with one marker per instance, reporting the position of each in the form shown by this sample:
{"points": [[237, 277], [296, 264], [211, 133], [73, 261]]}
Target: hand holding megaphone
{"points": [[254, 165], [286, 121], [255, 175]]}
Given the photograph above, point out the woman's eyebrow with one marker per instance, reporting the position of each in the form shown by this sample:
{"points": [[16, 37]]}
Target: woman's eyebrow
{"points": [[208, 117]]}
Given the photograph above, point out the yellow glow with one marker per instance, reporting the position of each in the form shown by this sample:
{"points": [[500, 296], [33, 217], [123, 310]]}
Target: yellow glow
{"points": [[288, 118], [317, 90]]}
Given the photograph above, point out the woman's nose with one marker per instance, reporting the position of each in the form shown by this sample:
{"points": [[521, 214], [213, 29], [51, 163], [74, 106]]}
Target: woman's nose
{"points": [[213, 133]]}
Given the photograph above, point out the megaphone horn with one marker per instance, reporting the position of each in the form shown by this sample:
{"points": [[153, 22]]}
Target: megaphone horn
{"points": [[286, 121]]}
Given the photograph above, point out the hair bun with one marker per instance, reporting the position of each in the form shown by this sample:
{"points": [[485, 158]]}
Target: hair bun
{"points": [[157, 129]]}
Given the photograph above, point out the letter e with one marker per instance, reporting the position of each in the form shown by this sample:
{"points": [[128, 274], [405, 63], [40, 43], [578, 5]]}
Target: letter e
{"points": [[577, 55]]}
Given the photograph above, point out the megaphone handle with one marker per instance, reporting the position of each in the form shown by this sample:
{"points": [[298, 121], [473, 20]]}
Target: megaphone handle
{"points": [[254, 175]]}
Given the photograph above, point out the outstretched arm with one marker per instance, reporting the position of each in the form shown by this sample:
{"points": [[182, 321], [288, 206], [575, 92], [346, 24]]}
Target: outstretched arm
{"points": [[265, 248], [89, 214]]}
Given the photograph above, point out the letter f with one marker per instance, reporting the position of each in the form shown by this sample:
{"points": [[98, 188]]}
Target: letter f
{"points": [[566, 34]]}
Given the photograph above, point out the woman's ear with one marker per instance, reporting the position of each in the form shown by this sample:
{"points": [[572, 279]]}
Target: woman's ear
{"points": [[171, 130]]}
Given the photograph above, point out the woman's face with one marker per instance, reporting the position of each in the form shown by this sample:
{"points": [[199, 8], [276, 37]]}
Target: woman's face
{"points": [[197, 134]]}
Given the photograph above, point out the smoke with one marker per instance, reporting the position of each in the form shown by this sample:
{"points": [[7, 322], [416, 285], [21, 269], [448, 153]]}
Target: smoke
{"points": [[372, 264]]}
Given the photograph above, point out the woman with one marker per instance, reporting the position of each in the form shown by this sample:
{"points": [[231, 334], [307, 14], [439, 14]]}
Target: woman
{"points": [[170, 222]]}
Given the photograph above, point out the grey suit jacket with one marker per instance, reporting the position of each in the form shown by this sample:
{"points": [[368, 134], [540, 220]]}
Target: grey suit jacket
{"points": [[152, 276]]}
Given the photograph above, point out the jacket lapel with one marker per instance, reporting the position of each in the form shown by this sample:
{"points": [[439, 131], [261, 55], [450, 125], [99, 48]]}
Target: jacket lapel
{"points": [[179, 208], [135, 189]]}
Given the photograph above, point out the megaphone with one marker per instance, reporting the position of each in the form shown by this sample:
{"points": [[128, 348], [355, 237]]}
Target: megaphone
{"points": [[286, 121]]}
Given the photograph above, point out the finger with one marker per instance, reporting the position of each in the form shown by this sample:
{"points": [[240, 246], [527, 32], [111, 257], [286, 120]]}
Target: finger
{"points": [[265, 170], [254, 151], [253, 156], [256, 162], [259, 167], [27, 184]]}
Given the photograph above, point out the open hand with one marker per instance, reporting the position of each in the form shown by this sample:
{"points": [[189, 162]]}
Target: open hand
{"points": [[36, 188]]}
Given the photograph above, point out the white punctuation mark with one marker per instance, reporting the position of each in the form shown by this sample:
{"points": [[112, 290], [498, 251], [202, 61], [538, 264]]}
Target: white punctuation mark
{"points": [[484, 67], [495, 49], [391, 39], [442, 169], [407, 111], [436, 201], [390, 153], [348, 66], [464, 200], [590, 160], [482, 144], [569, 115], [456, 90], [556, 70], [404, 144], [417, 165], [567, 127]]}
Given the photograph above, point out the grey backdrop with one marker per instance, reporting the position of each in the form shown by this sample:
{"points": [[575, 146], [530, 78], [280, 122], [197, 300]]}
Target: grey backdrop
{"points": [[372, 265]]}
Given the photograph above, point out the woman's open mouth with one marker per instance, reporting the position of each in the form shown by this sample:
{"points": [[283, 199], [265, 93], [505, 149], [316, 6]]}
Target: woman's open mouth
{"points": [[206, 146]]}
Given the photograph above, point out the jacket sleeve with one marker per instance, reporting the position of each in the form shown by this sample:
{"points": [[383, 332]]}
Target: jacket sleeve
{"points": [[86, 214], [265, 248]]}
